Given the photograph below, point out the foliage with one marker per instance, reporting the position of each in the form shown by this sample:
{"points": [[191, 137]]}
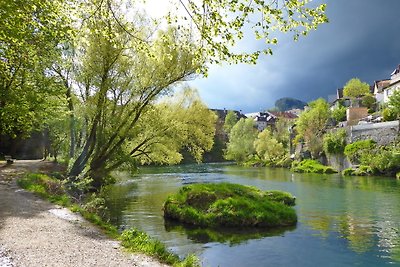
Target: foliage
{"points": [[287, 103], [281, 131], [311, 126], [230, 120], [221, 24], [232, 205], [383, 160], [119, 82], [137, 241], [311, 166], [268, 148], [339, 113], [355, 88], [394, 103], [240, 146], [335, 142], [30, 33], [348, 172], [354, 150], [389, 114], [368, 101], [46, 187]]}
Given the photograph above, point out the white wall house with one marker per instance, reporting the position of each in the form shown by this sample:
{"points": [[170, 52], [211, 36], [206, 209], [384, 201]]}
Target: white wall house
{"points": [[394, 84]]}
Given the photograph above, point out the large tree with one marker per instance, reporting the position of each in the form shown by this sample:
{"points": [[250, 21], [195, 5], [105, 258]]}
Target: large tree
{"points": [[311, 126], [241, 141], [30, 34], [355, 88]]}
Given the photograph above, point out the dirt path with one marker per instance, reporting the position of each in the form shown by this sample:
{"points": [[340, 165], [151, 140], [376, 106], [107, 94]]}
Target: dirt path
{"points": [[36, 233]]}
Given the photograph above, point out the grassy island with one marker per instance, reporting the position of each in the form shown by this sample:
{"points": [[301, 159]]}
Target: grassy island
{"points": [[232, 205]]}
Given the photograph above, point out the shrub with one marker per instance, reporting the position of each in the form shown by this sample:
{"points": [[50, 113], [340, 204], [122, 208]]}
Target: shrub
{"points": [[348, 172], [311, 166], [355, 150], [335, 142], [232, 205], [389, 114]]}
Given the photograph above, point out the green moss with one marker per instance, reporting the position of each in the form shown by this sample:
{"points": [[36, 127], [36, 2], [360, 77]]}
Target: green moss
{"points": [[311, 166], [348, 172], [233, 205]]}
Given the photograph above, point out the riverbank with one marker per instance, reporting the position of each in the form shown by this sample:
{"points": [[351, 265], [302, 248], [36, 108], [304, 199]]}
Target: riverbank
{"points": [[34, 232]]}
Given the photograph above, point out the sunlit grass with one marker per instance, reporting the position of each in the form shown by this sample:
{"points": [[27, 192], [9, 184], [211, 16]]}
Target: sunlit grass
{"points": [[233, 205]]}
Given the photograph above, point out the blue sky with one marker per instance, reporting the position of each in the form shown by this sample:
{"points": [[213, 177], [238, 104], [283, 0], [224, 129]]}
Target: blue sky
{"points": [[361, 40]]}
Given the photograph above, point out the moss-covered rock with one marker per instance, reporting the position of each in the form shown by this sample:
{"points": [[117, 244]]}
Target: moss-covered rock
{"points": [[233, 205], [311, 166]]}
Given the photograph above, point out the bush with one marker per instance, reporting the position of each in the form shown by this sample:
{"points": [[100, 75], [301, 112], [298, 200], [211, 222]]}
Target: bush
{"points": [[389, 114], [339, 113], [335, 142], [232, 205], [355, 150], [311, 166], [348, 172]]}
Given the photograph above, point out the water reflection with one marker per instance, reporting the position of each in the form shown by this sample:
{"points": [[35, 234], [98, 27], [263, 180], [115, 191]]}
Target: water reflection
{"points": [[348, 220], [223, 235]]}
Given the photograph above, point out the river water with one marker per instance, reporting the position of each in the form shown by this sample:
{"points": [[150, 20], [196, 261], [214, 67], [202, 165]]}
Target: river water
{"points": [[342, 221]]}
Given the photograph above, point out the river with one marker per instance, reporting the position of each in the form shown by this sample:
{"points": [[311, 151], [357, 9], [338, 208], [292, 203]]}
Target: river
{"points": [[342, 221]]}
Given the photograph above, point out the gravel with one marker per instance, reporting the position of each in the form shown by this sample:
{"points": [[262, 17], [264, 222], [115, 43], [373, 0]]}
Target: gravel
{"points": [[34, 232]]}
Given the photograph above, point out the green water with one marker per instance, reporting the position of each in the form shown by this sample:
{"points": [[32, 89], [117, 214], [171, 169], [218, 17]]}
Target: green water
{"points": [[343, 221]]}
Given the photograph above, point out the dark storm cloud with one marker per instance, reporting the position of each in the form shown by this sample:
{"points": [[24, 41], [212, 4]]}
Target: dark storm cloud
{"points": [[361, 40]]}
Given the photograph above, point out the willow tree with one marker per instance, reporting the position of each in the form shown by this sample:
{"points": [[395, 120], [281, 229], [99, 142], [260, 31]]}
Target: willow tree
{"points": [[118, 78]]}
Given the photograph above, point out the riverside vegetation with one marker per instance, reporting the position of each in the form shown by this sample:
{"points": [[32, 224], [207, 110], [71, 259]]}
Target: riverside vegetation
{"points": [[132, 240], [314, 130]]}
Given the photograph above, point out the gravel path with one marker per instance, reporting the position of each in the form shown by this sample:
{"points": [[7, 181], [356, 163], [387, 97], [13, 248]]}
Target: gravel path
{"points": [[34, 232]]}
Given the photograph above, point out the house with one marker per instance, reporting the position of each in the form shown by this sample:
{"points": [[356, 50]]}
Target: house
{"points": [[285, 115], [393, 85], [378, 88], [262, 119]]}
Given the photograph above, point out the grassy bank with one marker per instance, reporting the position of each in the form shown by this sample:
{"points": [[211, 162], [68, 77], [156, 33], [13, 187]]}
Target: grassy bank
{"points": [[232, 205], [133, 240]]}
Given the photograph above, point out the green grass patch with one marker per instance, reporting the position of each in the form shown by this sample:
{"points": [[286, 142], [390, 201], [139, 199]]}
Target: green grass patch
{"points": [[232, 205], [311, 166], [137, 241], [46, 187]]}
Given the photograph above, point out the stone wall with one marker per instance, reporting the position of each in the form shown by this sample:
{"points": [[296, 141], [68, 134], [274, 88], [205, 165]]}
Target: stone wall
{"points": [[382, 133]]}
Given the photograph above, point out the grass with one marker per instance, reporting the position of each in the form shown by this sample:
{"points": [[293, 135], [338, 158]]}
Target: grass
{"points": [[311, 166], [231, 205], [133, 240]]}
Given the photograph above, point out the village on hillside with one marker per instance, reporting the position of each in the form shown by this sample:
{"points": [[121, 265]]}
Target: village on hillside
{"points": [[358, 112]]}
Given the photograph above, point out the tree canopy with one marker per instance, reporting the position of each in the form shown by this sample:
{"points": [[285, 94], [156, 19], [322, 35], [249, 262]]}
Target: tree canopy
{"points": [[29, 36], [311, 125], [355, 88], [241, 141]]}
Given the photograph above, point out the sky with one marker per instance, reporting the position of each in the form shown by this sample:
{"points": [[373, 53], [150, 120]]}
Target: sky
{"points": [[362, 39]]}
